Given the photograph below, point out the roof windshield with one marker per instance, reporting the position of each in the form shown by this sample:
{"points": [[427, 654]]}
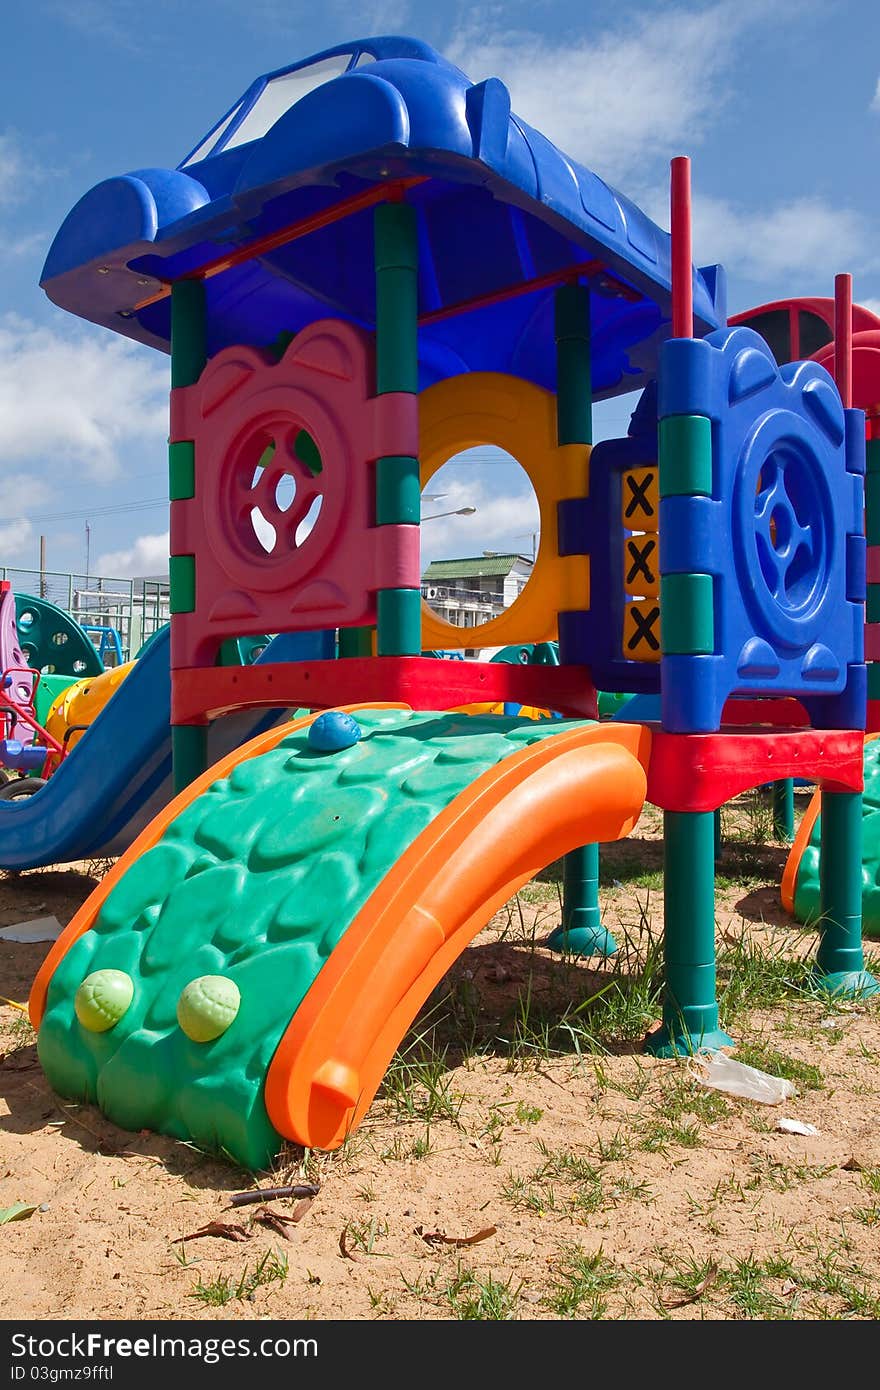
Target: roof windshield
{"points": [[278, 95]]}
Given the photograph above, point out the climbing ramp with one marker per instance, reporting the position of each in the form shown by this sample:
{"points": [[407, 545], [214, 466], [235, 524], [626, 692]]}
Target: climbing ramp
{"points": [[800, 880], [245, 972]]}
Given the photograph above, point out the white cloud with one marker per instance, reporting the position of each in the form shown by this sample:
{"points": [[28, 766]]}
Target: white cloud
{"points": [[872, 305], [12, 168], [148, 555], [15, 538], [626, 96], [875, 101], [30, 243], [804, 236], [77, 398], [501, 522]]}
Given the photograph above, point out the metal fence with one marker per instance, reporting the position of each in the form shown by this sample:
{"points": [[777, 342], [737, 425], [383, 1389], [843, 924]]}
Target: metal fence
{"points": [[132, 608]]}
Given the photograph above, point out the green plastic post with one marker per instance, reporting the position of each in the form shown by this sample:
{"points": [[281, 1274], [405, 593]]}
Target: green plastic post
{"points": [[399, 626], [189, 751], [690, 1010], [355, 641], [719, 837], [691, 838], [398, 502], [783, 809], [581, 932], [840, 961]]}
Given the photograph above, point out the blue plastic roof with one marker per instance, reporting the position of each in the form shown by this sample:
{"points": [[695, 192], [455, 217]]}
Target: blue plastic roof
{"points": [[499, 206]]}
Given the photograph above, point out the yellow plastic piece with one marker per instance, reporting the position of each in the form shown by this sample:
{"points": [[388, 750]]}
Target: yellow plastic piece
{"points": [[641, 566], [640, 499], [641, 631], [525, 711], [492, 408], [81, 703]]}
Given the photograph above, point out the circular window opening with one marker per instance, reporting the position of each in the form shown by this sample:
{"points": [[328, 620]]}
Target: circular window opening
{"points": [[279, 494], [480, 536], [790, 530], [59, 639], [26, 619]]}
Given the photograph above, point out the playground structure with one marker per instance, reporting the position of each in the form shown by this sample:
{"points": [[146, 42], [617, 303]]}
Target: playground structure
{"points": [[798, 326], [368, 266]]}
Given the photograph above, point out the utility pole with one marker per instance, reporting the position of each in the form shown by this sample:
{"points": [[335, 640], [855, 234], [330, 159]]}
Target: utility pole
{"points": [[88, 542], [42, 567]]}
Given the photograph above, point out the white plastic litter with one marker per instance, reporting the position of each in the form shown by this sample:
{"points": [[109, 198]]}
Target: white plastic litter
{"points": [[722, 1073], [794, 1127], [37, 929]]}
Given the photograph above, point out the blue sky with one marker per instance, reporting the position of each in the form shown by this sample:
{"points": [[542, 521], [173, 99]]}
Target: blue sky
{"points": [[777, 104]]}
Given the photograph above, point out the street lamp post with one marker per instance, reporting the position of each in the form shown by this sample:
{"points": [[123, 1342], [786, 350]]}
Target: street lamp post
{"points": [[459, 511]]}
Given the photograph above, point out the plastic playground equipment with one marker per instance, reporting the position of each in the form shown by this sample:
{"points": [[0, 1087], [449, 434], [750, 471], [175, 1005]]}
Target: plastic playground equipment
{"points": [[367, 265], [802, 326]]}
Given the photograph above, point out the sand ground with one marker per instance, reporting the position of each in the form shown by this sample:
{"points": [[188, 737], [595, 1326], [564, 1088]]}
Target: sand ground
{"points": [[500, 1180]]}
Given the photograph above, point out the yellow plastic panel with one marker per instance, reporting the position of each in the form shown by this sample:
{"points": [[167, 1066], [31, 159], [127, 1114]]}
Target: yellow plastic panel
{"points": [[463, 412]]}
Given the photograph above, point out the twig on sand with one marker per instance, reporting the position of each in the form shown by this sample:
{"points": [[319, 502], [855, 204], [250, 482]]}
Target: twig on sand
{"points": [[271, 1194]]}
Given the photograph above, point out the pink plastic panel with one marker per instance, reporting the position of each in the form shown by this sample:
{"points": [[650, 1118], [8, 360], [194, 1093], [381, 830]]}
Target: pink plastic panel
{"points": [[278, 547], [11, 655]]}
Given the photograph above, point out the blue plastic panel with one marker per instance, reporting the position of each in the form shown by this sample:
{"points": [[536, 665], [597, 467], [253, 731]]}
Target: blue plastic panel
{"points": [[780, 534]]}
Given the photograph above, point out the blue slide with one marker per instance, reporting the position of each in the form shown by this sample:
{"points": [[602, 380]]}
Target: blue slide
{"points": [[118, 775]]}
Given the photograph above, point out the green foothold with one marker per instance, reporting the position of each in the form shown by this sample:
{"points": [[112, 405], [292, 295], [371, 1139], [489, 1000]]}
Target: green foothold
{"points": [[207, 1006], [102, 999]]}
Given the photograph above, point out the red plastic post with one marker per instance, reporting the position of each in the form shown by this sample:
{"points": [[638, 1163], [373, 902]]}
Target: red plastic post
{"points": [[682, 256], [843, 337]]}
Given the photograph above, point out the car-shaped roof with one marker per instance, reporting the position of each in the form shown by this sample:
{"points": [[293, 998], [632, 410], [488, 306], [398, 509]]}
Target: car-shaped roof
{"points": [[503, 218]]}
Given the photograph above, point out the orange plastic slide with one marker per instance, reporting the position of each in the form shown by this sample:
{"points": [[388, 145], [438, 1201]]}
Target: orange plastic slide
{"points": [[579, 787]]}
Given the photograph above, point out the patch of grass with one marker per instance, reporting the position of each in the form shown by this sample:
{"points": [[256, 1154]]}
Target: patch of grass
{"points": [[382, 1302], [419, 1087], [836, 1278], [752, 976], [403, 1149], [270, 1269], [18, 1030], [528, 1114], [871, 1179], [580, 1283], [746, 1286], [614, 1149], [868, 1216], [657, 1135], [757, 1054], [528, 1194], [562, 1163], [784, 1177], [473, 1297], [363, 1234]]}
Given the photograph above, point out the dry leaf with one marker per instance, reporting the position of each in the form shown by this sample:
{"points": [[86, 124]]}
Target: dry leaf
{"points": [[790, 1286], [344, 1250], [227, 1230], [19, 1211], [301, 1208], [697, 1293], [439, 1238], [275, 1220], [853, 1165]]}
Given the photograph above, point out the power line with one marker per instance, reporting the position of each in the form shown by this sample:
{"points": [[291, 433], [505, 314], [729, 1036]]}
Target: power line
{"points": [[143, 505]]}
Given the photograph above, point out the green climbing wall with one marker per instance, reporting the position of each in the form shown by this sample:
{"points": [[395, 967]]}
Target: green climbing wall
{"points": [[256, 882], [52, 641], [806, 893]]}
